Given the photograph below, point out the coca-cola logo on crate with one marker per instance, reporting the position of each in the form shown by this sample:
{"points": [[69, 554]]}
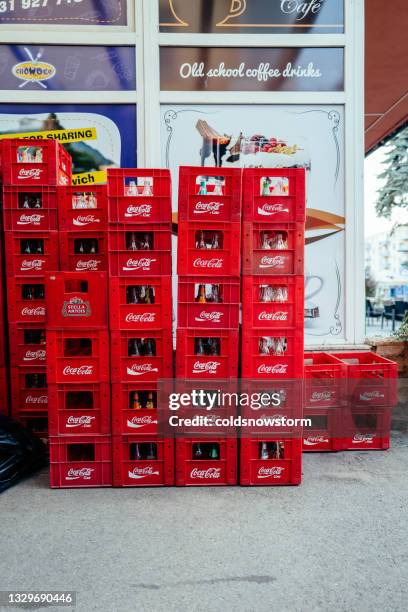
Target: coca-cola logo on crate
{"points": [[272, 209], [279, 315], [321, 396], [211, 473], [209, 317], [206, 367], [278, 261], [366, 438], [274, 471], [40, 399], [32, 264], [39, 311], [34, 173], [92, 264], [212, 208], [279, 368], [82, 220], [34, 355], [138, 369], [368, 396], [144, 263], [76, 307], [84, 473], [314, 440], [34, 219], [83, 370], [142, 210], [141, 421], [208, 263], [81, 421], [143, 472]]}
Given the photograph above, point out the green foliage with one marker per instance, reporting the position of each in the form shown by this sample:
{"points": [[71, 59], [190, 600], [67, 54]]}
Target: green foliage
{"points": [[402, 332], [394, 192]]}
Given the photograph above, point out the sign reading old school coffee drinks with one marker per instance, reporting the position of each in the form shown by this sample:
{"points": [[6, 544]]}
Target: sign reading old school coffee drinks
{"points": [[246, 16], [251, 69], [64, 12]]}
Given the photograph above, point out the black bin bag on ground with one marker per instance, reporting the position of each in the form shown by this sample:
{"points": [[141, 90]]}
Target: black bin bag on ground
{"points": [[21, 453]]}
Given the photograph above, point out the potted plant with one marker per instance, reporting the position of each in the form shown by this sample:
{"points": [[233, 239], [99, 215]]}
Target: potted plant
{"points": [[394, 347]]}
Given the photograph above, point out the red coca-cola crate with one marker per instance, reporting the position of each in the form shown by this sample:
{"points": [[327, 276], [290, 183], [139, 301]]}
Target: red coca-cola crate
{"points": [[325, 382], [79, 409], [26, 300], [30, 209], [29, 391], [27, 344], [372, 379], [202, 461], [31, 253], [142, 304], [272, 354], [273, 248], [141, 355], [273, 302], [139, 195], [276, 195], [80, 462], [83, 208], [207, 354], [270, 461], [213, 304], [131, 413], [324, 434], [36, 422], [140, 250], [80, 356], [4, 391], [143, 461], [366, 429], [76, 299], [84, 251], [35, 162], [208, 250], [207, 195]]}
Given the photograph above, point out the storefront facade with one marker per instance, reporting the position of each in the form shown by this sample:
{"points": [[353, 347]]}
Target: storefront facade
{"points": [[272, 82]]}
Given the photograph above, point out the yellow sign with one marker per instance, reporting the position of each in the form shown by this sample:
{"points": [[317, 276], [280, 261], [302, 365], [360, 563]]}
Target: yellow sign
{"points": [[89, 178], [63, 136], [34, 71]]}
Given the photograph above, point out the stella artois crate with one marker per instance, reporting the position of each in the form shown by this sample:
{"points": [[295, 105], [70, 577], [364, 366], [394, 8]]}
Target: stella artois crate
{"points": [[80, 462], [136, 250], [273, 354], [209, 195], [273, 302], [276, 195], [207, 354], [139, 196], [270, 461], [79, 409], [31, 254], [80, 356], [210, 303], [203, 461], [35, 162], [144, 303], [76, 300], [209, 250], [273, 248], [30, 209], [26, 300], [83, 251], [143, 461], [83, 209]]}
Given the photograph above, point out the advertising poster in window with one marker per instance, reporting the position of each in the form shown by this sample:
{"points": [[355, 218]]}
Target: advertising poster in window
{"points": [[278, 136], [115, 125], [64, 12]]}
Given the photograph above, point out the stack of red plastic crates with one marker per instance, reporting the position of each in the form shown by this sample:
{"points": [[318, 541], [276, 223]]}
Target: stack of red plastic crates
{"points": [[4, 391], [78, 375], [140, 322], [325, 387], [371, 393], [32, 172], [209, 238], [272, 312]]}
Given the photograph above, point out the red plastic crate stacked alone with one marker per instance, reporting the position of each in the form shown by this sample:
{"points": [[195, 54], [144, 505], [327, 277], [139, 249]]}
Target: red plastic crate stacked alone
{"points": [[83, 229], [78, 373], [140, 305], [371, 393], [34, 162], [325, 380], [272, 310]]}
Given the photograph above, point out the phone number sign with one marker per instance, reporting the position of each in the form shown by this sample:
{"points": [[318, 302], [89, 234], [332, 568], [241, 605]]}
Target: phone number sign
{"points": [[64, 12]]}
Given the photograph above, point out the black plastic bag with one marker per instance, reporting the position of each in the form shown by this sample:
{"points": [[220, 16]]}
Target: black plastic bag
{"points": [[21, 453]]}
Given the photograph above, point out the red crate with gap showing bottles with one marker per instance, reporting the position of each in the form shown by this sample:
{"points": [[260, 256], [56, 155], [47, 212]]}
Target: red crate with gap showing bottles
{"points": [[139, 196], [27, 344], [35, 162], [207, 353], [135, 408], [272, 248], [30, 209], [29, 391], [273, 354], [79, 409], [273, 302], [141, 355], [143, 302], [270, 461], [203, 461], [83, 251], [31, 253], [83, 209], [26, 300], [276, 195], [80, 462], [142, 461], [210, 303], [140, 250], [209, 195]]}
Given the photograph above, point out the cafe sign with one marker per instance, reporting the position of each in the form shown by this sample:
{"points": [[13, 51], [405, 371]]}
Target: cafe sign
{"points": [[250, 16]]}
